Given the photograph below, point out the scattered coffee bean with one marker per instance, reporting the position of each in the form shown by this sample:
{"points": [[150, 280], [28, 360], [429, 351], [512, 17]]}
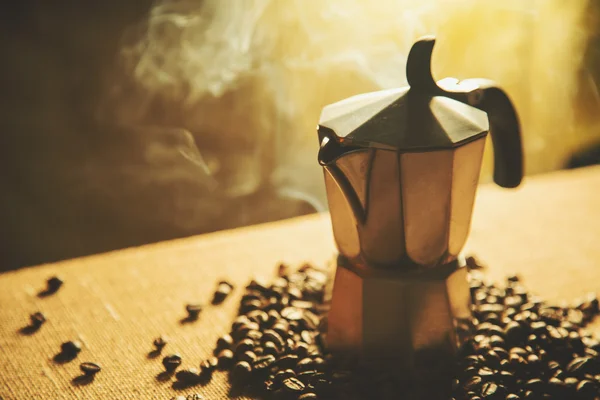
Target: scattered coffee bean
{"points": [[223, 290], [71, 348], [283, 270], [89, 368], [37, 319], [472, 263], [193, 311], [53, 284], [171, 362], [159, 343], [188, 376]]}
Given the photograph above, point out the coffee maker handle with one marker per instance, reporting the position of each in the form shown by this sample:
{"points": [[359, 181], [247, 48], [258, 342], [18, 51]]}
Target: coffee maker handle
{"points": [[481, 94], [504, 128]]}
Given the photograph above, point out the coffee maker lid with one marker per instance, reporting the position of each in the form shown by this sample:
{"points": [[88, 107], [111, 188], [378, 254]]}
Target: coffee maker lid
{"points": [[404, 119]]}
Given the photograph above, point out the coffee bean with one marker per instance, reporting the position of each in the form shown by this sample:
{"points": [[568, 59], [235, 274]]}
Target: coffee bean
{"points": [[273, 317], [538, 327], [263, 363], [287, 361], [587, 388], [293, 385], [472, 263], [308, 396], [188, 376], [159, 342], [488, 390], [37, 319], [89, 368], [248, 356], [490, 308], [282, 375], [535, 385], [271, 348], [239, 322], [225, 358], [208, 366], [579, 366], [272, 336], [497, 341], [241, 372], [301, 349], [250, 305], [295, 295], [574, 317], [514, 301], [253, 335], [242, 330], [193, 310], [243, 346], [223, 290], [259, 351], [485, 372], [258, 316], [283, 270], [292, 313], [281, 327], [53, 284], [71, 348], [305, 364], [224, 342], [310, 320], [514, 332], [171, 362]]}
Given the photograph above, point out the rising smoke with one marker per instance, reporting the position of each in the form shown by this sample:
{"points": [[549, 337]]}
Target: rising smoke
{"points": [[216, 104]]}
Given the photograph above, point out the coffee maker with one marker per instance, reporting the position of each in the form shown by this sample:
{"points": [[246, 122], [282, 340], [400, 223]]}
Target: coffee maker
{"points": [[401, 169]]}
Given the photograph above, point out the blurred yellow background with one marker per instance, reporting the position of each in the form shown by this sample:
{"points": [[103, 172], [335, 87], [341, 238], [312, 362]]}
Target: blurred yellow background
{"points": [[133, 122], [252, 78]]}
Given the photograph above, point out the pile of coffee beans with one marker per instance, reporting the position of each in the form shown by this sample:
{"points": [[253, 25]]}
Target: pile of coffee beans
{"points": [[275, 348], [517, 346]]}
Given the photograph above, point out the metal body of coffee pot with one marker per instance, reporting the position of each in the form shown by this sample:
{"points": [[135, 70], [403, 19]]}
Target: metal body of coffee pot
{"points": [[401, 170]]}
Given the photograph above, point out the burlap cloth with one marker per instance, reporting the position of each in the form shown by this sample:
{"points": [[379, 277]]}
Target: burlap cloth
{"points": [[117, 303]]}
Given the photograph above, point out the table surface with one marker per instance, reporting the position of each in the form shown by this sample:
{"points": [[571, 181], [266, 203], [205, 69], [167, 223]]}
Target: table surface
{"points": [[548, 231]]}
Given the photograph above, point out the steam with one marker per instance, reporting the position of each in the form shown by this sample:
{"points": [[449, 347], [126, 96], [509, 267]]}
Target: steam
{"points": [[192, 49], [247, 79]]}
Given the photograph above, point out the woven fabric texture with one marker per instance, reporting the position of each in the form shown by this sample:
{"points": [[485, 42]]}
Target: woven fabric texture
{"points": [[117, 303]]}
